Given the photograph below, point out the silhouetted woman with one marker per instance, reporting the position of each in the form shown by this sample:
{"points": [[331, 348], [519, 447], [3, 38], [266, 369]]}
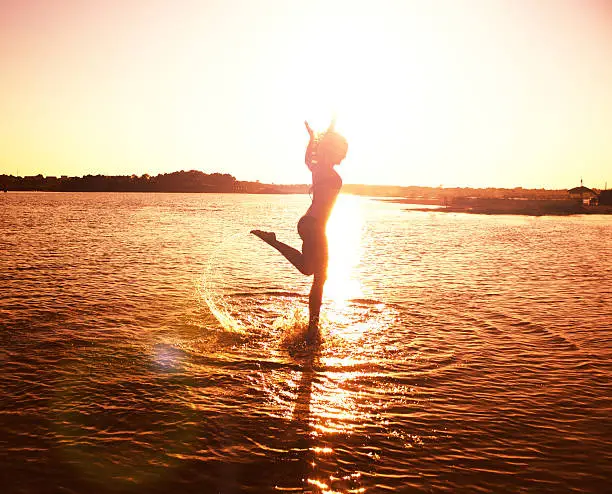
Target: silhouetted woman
{"points": [[323, 153]]}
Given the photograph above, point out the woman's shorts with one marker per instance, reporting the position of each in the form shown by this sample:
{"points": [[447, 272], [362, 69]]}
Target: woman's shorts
{"points": [[314, 242]]}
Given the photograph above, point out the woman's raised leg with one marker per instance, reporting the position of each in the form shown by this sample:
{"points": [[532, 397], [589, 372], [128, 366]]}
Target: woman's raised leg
{"points": [[298, 259]]}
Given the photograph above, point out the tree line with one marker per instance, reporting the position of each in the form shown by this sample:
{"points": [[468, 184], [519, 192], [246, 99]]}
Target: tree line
{"points": [[181, 181]]}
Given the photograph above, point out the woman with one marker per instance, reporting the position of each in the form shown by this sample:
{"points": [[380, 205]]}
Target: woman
{"points": [[322, 154]]}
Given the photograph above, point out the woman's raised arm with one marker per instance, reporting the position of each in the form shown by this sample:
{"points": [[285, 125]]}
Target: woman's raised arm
{"points": [[311, 147]]}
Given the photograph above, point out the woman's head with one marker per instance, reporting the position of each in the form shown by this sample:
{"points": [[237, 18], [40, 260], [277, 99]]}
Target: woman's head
{"points": [[332, 148]]}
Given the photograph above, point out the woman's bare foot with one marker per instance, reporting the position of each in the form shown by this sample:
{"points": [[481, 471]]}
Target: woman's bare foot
{"points": [[313, 334], [313, 337], [267, 237]]}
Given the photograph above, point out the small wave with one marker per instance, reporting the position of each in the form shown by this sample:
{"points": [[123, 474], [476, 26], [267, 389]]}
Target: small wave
{"points": [[272, 293]]}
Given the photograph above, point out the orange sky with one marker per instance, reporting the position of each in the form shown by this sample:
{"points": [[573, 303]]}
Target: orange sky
{"points": [[460, 92]]}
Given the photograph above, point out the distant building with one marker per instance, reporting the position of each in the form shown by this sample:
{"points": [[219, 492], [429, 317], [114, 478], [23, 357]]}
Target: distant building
{"points": [[605, 197], [584, 195]]}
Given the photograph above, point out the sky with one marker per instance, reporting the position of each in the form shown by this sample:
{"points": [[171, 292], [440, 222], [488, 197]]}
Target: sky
{"points": [[499, 93]]}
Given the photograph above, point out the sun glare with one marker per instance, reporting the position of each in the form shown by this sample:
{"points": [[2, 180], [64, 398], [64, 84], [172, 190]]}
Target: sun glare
{"points": [[356, 73], [344, 236]]}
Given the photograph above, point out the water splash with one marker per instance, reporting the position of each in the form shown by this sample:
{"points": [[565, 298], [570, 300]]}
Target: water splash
{"points": [[216, 304]]}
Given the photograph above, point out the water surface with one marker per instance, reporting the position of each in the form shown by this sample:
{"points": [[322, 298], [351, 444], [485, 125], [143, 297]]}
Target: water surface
{"points": [[460, 353]]}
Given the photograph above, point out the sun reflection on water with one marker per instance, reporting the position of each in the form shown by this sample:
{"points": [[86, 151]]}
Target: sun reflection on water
{"points": [[338, 406], [345, 249]]}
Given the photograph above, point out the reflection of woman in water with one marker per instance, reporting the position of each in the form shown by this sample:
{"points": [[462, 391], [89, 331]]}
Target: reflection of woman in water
{"points": [[322, 154]]}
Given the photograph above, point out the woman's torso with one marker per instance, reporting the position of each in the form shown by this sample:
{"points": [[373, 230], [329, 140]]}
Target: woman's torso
{"points": [[326, 185]]}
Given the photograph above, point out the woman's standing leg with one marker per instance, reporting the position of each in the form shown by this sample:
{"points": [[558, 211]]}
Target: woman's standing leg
{"points": [[318, 258], [314, 305]]}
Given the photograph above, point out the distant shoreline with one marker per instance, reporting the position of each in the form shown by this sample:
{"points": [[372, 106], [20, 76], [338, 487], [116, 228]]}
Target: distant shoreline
{"points": [[560, 207], [490, 200], [197, 181]]}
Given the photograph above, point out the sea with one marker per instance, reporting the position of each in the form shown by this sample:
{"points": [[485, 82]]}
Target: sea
{"points": [[149, 343]]}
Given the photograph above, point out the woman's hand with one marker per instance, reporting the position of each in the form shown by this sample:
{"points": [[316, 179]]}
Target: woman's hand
{"points": [[332, 124], [310, 131]]}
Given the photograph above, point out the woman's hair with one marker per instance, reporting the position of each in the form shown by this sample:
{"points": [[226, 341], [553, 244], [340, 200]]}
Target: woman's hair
{"points": [[331, 148]]}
